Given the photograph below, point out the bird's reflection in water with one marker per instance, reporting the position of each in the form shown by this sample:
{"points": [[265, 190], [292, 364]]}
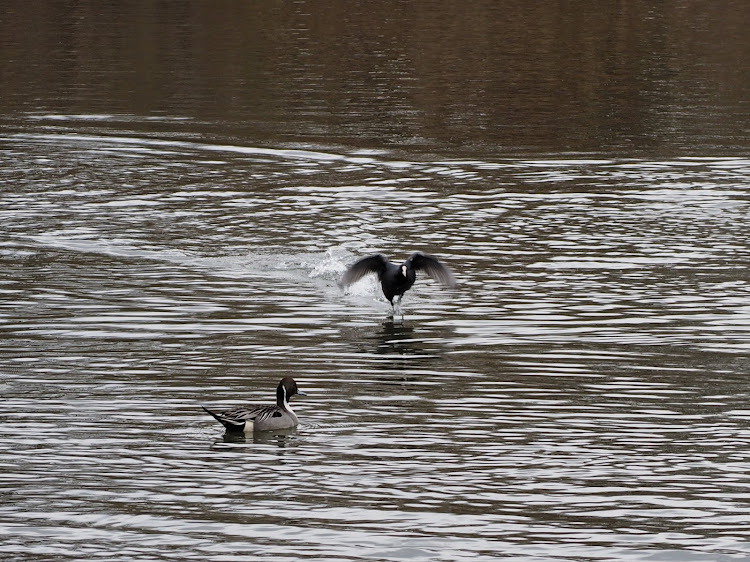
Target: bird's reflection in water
{"points": [[280, 437], [402, 351], [397, 337]]}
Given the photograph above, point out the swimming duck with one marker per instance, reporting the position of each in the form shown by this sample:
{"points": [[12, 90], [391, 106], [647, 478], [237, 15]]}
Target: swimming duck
{"points": [[261, 417], [397, 279]]}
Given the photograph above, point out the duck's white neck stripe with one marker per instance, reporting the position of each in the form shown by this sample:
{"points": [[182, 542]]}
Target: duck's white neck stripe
{"points": [[285, 400]]}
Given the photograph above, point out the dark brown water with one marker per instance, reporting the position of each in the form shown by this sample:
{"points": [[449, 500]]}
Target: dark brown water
{"points": [[182, 184]]}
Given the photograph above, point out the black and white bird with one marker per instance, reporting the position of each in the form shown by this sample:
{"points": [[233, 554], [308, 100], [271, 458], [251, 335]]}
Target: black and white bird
{"points": [[261, 417], [397, 279]]}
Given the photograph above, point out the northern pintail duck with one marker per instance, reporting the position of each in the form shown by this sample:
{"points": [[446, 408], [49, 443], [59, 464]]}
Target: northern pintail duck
{"points": [[261, 417], [397, 279]]}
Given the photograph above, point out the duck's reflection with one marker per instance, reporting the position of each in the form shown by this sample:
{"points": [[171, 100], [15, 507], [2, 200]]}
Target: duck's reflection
{"points": [[280, 437]]}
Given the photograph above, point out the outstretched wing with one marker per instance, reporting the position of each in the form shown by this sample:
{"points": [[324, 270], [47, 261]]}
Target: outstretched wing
{"points": [[432, 267], [371, 264]]}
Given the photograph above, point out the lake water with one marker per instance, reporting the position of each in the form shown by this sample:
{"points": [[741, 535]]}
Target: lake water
{"points": [[183, 184]]}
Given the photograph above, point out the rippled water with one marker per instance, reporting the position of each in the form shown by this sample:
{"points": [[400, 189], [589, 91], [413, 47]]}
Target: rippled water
{"points": [[582, 394], [182, 185]]}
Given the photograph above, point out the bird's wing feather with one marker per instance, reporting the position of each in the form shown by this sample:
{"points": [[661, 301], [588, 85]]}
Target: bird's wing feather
{"points": [[371, 264], [235, 419], [432, 267], [252, 412], [228, 422]]}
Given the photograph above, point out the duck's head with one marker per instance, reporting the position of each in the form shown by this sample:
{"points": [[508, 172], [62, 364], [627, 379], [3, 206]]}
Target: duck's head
{"points": [[286, 389]]}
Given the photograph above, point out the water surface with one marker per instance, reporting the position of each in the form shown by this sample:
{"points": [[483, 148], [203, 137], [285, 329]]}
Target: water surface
{"points": [[581, 395]]}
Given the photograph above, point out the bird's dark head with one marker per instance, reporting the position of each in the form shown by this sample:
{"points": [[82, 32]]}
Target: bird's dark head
{"points": [[286, 389]]}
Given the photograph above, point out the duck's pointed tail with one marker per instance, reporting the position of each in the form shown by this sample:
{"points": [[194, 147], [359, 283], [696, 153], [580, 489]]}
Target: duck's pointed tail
{"points": [[230, 425]]}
